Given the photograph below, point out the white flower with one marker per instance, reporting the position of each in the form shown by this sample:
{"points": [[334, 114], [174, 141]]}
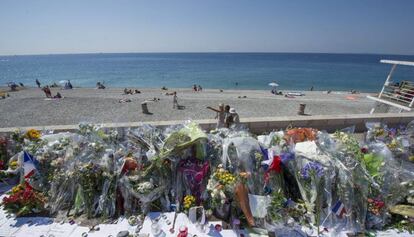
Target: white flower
{"points": [[145, 187]]}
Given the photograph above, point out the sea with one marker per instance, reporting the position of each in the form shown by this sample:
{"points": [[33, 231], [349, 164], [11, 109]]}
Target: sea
{"points": [[292, 71]]}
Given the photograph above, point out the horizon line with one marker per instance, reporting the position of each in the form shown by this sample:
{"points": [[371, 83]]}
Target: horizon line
{"points": [[202, 52]]}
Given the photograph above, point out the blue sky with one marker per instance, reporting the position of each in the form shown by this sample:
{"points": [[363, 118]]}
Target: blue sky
{"points": [[88, 26]]}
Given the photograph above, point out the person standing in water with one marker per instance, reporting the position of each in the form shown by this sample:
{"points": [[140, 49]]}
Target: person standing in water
{"points": [[38, 83]]}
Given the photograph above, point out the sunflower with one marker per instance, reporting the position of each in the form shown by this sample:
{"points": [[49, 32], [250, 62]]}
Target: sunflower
{"points": [[33, 134]]}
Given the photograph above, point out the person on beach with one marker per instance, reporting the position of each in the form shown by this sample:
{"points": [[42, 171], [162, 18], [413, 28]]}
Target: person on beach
{"points": [[232, 119], [199, 88], [220, 116], [70, 85], [127, 92], [175, 100], [38, 83], [99, 85], [57, 96], [226, 110], [47, 91], [194, 87]]}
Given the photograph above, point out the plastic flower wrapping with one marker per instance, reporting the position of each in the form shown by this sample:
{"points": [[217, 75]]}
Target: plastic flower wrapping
{"points": [[299, 179]]}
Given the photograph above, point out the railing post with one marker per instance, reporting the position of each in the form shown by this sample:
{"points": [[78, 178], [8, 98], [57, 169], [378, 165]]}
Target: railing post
{"points": [[388, 79], [411, 103]]}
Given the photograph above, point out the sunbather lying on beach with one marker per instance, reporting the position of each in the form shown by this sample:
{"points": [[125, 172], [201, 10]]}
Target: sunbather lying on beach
{"points": [[131, 92], [124, 100], [154, 99]]}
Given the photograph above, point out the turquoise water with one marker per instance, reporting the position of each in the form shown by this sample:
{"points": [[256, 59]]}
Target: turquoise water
{"points": [[292, 71]]}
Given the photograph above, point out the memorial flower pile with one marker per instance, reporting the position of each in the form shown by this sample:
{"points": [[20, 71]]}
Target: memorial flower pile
{"points": [[297, 178]]}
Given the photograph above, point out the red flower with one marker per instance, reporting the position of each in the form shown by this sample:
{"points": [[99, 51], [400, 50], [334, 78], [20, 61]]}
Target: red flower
{"points": [[275, 166]]}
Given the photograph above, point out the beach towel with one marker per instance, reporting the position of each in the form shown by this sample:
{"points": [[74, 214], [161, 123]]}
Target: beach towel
{"points": [[351, 98], [295, 94]]}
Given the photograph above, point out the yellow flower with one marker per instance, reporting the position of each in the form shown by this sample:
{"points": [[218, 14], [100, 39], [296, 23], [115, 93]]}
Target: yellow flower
{"points": [[189, 201], [224, 177], [14, 165], [33, 134], [17, 188]]}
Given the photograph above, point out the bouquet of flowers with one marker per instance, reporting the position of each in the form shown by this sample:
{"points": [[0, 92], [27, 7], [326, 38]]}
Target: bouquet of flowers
{"points": [[282, 210], [90, 184], [30, 140], [353, 181], [24, 200], [310, 182], [220, 188]]}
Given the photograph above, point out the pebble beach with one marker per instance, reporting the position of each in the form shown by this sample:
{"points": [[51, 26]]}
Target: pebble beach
{"points": [[30, 107]]}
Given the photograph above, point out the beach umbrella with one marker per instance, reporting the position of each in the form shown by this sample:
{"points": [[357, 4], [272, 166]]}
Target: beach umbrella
{"points": [[273, 84], [63, 82]]}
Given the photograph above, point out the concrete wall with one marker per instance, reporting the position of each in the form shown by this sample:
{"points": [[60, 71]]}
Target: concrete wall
{"points": [[329, 123]]}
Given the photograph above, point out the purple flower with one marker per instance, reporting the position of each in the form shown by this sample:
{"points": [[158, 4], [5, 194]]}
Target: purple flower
{"points": [[392, 132], [285, 157], [312, 168]]}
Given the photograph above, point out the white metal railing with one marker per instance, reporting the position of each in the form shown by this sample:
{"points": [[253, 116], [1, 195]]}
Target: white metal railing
{"points": [[402, 93]]}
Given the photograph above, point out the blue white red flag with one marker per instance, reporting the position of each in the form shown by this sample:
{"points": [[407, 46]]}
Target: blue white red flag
{"points": [[29, 166], [339, 209]]}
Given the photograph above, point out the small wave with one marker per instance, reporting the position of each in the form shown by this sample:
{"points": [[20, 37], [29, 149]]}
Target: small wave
{"points": [[4, 60]]}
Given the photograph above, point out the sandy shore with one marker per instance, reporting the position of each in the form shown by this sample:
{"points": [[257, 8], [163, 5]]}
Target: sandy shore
{"points": [[29, 107]]}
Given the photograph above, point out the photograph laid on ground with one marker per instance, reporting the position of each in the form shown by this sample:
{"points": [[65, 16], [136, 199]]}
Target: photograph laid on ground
{"points": [[206, 118]]}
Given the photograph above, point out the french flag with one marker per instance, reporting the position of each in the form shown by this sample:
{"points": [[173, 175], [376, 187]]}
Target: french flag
{"points": [[339, 209], [29, 164]]}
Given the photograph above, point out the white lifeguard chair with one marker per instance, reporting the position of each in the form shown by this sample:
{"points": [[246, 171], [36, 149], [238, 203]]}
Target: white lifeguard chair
{"points": [[396, 94]]}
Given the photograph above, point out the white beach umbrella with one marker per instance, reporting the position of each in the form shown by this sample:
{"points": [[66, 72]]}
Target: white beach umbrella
{"points": [[63, 81], [274, 84]]}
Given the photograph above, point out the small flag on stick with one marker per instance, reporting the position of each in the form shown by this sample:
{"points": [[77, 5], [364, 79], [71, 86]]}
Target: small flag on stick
{"points": [[339, 209], [29, 166]]}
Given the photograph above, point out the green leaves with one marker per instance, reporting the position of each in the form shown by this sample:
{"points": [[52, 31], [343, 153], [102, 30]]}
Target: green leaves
{"points": [[373, 164]]}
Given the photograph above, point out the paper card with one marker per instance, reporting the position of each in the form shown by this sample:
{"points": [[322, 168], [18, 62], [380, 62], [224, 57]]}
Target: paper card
{"points": [[258, 205]]}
